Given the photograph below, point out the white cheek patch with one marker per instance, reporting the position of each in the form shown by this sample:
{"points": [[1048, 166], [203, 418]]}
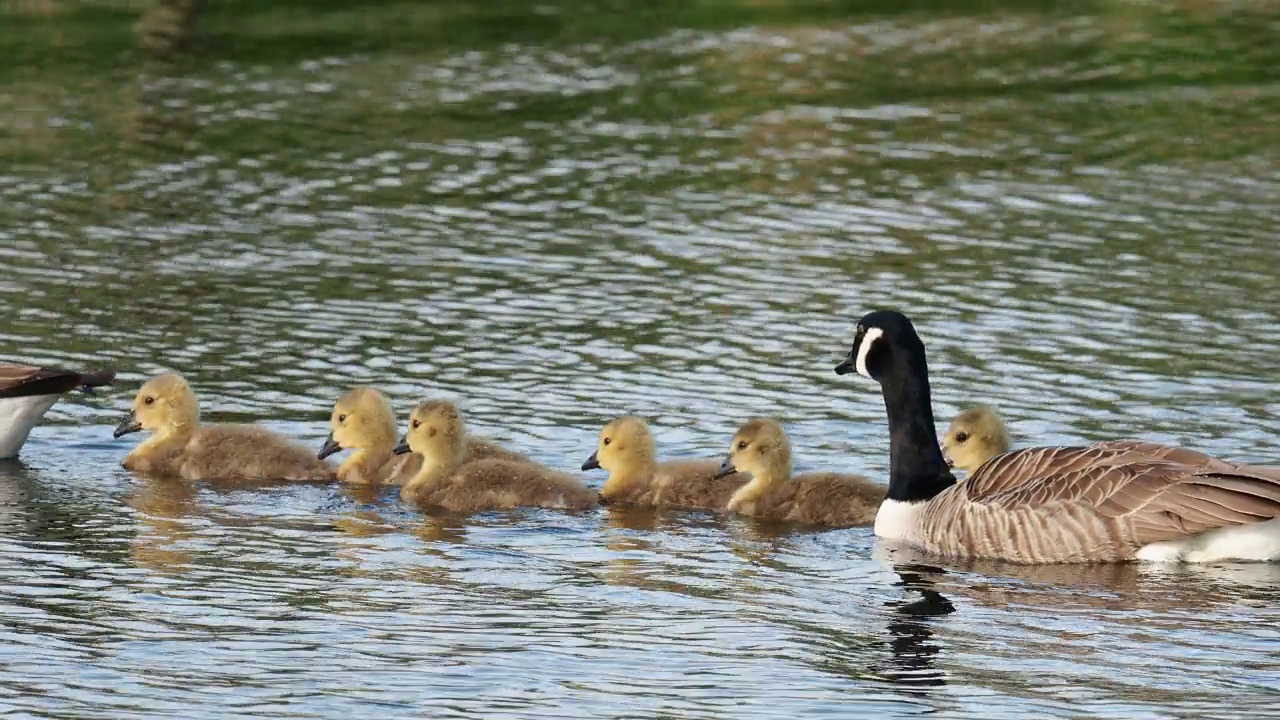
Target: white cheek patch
{"points": [[869, 337]]}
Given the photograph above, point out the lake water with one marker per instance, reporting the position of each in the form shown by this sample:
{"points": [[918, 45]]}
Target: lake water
{"points": [[558, 212]]}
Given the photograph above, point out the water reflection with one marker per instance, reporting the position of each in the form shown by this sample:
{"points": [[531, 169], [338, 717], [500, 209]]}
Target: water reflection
{"points": [[913, 648]]}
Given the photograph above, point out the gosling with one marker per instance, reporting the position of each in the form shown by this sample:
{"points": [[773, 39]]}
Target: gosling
{"points": [[180, 446], [761, 449], [363, 421], [449, 481], [975, 436], [627, 451]]}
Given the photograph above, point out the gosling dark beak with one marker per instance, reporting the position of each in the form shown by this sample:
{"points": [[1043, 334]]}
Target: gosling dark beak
{"points": [[726, 468], [330, 447], [592, 463], [129, 424], [403, 447], [849, 365]]}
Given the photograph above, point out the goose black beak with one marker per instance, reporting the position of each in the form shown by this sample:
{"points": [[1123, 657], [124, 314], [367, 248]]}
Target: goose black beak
{"points": [[403, 447], [129, 424], [592, 463], [330, 447], [848, 366], [726, 468]]}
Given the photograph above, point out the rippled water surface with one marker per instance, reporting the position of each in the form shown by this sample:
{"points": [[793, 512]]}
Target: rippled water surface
{"points": [[558, 212]]}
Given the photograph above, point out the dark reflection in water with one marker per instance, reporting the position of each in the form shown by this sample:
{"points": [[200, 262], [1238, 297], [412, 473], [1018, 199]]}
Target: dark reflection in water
{"points": [[914, 649], [558, 212]]}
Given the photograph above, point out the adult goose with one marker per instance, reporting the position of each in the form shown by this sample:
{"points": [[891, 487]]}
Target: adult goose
{"points": [[28, 391], [1117, 501]]}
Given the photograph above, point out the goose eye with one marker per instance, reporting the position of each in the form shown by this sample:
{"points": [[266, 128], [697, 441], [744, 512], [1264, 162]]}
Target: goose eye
{"points": [[342, 418], [431, 432], [742, 444], [148, 400], [608, 440], [416, 424], [962, 436]]}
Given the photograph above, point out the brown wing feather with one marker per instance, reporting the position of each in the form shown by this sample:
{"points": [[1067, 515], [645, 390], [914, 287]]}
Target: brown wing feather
{"points": [[1182, 455], [1100, 502], [13, 375]]}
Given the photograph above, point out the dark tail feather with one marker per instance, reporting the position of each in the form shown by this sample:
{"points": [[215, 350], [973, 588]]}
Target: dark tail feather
{"points": [[91, 379]]}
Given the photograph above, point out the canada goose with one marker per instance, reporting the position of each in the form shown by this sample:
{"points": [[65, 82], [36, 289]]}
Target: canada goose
{"points": [[627, 451], [760, 448], [447, 480], [180, 446], [975, 436], [362, 420], [1118, 501], [28, 391]]}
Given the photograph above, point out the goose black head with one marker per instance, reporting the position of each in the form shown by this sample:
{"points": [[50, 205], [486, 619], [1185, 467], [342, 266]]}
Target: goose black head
{"points": [[883, 338]]}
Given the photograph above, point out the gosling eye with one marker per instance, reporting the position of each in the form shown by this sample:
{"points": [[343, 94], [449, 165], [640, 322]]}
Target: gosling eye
{"points": [[431, 432], [606, 441], [148, 400], [342, 418], [742, 444], [416, 424], [961, 437]]}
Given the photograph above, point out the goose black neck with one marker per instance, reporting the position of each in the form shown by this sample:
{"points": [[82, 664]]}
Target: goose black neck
{"points": [[917, 471]]}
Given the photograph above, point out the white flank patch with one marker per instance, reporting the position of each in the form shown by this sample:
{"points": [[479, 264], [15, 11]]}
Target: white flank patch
{"points": [[896, 520], [17, 417], [1255, 542], [869, 337]]}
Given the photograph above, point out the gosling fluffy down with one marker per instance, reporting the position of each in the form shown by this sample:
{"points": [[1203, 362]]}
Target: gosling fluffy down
{"points": [[626, 450], [449, 481], [975, 436], [362, 420], [180, 446], [761, 449]]}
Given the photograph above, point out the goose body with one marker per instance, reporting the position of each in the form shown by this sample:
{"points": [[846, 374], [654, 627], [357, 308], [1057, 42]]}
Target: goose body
{"points": [[1114, 501], [28, 391], [180, 446], [761, 449]]}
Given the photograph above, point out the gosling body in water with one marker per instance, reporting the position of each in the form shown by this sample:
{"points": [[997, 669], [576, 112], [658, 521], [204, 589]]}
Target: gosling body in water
{"points": [[761, 449], [362, 420], [180, 446], [449, 481], [627, 451]]}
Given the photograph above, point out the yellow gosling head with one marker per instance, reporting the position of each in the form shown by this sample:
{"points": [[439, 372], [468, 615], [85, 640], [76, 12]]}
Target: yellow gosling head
{"points": [[437, 433], [760, 447], [975, 436], [361, 420], [625, 449], [165, 405]]}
